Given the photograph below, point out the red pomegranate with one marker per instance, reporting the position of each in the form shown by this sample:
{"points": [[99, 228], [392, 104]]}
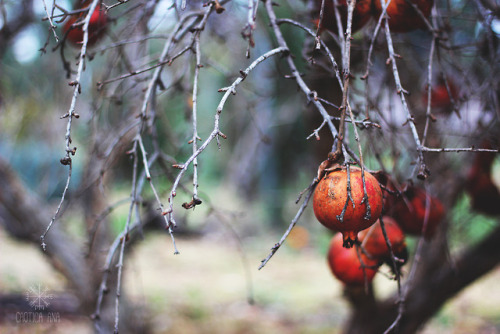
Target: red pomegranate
{"points": [[361, 15], [330, 198], [350, 265], [97, 26], [373, 241], [402, 16], [418, 213]]}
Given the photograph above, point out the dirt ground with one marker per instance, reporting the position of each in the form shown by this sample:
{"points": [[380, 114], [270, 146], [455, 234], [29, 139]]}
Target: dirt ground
{"points": [[205, 289]]}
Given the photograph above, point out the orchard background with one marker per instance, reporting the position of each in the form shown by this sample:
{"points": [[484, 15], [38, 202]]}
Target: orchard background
{"points": [[147, 175]]}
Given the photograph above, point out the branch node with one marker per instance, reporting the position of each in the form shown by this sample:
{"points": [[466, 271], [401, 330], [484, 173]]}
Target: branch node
{"points": [[66, 161]]}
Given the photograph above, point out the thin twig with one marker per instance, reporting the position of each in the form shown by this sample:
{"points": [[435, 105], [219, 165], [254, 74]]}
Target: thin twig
{"points": [[423, 172], [216, 133], [294, 221], [49, 16], [322, 43], [311, 95], [428, 113], [195, 138], [125, 236], [66, 160]]}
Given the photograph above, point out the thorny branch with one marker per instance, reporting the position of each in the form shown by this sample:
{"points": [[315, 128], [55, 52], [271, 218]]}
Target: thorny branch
{"points": [[248, 30], [216, 133], [295, 219], [123, 239], [66, 160], [318, 105], [423, 172], [311, 95], [49, 17], [322, 44], [429, 92], [149, 99], [118, 243], [195, 138]]}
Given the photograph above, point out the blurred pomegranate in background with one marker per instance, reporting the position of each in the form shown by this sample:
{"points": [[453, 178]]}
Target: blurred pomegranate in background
{"points": [[443, 96], [298, 238], [374, 243], [402, 16], [479, 185], [97, 25], [417, 212], [360, 16]]}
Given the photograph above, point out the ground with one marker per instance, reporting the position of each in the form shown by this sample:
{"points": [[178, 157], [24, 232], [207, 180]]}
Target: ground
{"points": [[205, 289]]}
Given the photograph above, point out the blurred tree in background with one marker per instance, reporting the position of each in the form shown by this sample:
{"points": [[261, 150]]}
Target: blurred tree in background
{"points": [[169, 104]]}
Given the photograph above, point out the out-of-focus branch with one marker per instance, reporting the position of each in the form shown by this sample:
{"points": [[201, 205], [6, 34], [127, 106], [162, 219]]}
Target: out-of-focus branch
{"points": [[216, 133], [76, 83], [24, 216], [16, 24]]}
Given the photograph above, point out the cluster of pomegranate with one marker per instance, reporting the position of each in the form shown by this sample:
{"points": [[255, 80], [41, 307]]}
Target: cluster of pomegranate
{"points": [[340, 204], [403, 17], [97, 26], [358, 265]]}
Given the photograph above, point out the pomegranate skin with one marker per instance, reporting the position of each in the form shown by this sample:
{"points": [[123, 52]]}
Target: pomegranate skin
{"points": [[410, 212], [402, 16], [373, 241], [330, 198], [97, 27], [346, 266]]}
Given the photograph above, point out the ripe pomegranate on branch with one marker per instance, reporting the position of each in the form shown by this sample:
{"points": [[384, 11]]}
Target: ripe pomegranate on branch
{"points": [[351, 266], [340, 204]]}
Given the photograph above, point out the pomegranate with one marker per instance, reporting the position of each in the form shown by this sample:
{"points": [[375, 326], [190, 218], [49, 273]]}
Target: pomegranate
{"points": [[441, 99], [484, 193], [330, 198], [97, 26], [418, 213], [402, 16], [360, 16], [373, 241], [350, 265], [486, 198]]}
